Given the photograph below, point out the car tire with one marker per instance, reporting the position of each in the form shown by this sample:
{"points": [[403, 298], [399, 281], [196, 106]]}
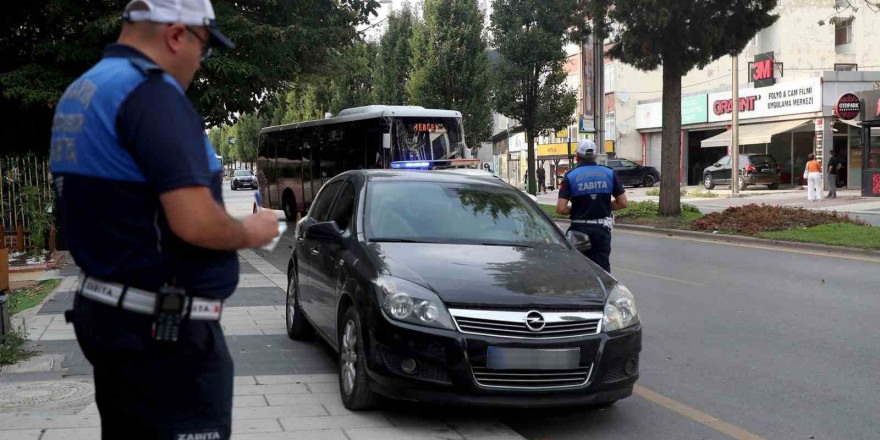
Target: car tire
{"points": [[773, 186], [297, 327], [648, 181], [708, 182], [354, 382], [232, 187], [288, 205]]}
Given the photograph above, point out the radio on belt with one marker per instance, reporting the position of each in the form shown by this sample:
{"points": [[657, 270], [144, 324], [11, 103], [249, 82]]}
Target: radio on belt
{"points": [[170, 307]]}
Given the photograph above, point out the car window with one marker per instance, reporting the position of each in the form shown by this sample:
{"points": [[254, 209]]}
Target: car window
{"points": [[724, 161], [763, 160], [459, 213], [629, 163], [243, 173], [343, 208], [614, 163], [321, 206]]}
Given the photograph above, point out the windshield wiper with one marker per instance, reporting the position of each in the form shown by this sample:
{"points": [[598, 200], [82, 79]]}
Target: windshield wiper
{"points": [[401, 240]]}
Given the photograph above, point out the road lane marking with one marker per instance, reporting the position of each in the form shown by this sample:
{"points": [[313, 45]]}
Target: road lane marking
{"points": [[755, 246], [695, 414], [661, 277]]}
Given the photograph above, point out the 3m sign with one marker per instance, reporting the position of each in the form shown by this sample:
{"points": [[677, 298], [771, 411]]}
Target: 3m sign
{"points": [[762, 71]]}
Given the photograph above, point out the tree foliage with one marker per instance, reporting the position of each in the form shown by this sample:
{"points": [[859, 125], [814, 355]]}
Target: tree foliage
{"points": [[529, 79], [45, 45], [694, 33], [392, 69], [450, 65]]}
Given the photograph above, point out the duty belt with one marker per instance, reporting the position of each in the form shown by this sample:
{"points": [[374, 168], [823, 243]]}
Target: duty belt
{"points": [[607, 222], [143, 301]]}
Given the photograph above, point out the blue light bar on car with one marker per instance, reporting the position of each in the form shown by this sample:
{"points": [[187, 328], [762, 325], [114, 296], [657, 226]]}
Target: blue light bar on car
{"points": [[411, 164]]}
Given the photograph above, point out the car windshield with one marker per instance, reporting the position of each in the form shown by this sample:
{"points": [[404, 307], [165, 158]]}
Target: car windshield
{"points": [[763, 160], [443, 212], [243, 173]]}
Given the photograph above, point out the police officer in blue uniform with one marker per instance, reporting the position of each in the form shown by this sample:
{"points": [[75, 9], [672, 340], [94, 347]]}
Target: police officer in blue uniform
{"points": [[139, 190], [594, 192]]}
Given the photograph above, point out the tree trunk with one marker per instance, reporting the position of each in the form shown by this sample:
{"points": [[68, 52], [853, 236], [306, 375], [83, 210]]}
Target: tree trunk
{"points": [[670, 166], [530, 166]]}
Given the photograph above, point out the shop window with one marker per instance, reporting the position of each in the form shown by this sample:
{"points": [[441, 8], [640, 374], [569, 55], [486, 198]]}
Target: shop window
{"points": [[610, 127], [754, 41], [841, 4], [846, 67]]}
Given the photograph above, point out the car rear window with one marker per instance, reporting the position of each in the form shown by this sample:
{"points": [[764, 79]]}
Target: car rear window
{"points": [[763, 160]]}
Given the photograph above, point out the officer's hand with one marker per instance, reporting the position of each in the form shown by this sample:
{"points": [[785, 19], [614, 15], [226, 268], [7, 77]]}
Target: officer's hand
{"points": [[260, 228]]}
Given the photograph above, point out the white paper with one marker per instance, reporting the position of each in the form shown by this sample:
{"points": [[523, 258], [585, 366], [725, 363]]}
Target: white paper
{"points": [[282, 226]]}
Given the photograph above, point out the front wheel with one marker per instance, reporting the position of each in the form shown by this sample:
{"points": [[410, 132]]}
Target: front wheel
{"points": [[354, 384], [297, 327], [707, 182], [288, 205], [648, 181]]}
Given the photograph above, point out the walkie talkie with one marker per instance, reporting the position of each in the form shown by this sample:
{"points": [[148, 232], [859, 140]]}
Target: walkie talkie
{"points": [[170, 308]]}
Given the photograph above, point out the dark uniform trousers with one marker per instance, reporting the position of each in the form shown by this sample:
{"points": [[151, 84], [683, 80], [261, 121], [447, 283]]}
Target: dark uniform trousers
{"points": [[600, 243], [149, 392]]}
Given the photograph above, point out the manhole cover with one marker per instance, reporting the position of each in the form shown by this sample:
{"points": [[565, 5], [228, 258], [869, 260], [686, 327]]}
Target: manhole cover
{"points": [[25, 396]]}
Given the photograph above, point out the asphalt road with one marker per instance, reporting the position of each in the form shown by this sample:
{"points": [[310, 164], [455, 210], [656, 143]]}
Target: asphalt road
{"points": [[739, 342]]}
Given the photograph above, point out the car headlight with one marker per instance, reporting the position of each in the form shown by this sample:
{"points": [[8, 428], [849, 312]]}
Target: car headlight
{"points": [[620, 309], [408, 302]]}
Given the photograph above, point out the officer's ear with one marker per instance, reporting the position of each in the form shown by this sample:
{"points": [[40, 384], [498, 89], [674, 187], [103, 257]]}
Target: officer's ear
{"points": [[175, 37]]}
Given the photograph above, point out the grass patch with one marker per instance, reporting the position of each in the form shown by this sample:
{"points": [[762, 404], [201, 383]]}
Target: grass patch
{"points": [[703, 194], [551, 211], [835, 234], [653, 192], [25, 298], [12, 347], [646, 213]]}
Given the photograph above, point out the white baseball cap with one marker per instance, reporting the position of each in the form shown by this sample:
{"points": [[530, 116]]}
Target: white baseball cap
{"points": [[586, 147], [188, 12]]}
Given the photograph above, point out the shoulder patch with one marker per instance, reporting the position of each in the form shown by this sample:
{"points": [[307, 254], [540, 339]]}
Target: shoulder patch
{"points": [[145, 66]]}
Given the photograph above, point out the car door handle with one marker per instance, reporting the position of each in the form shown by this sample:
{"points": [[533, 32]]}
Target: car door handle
{"points": [[314, 251], [340, 263]]}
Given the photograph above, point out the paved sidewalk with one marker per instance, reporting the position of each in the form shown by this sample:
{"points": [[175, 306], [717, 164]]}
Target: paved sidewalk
{"points": [[271, 407], [59, 403]]}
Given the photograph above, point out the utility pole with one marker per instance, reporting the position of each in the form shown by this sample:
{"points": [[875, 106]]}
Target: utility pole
{"points": [[599, 81], [734, 130]]}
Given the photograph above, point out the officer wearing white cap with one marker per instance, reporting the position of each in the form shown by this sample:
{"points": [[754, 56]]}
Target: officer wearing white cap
{"points": [[139, 190], [594, 192]]}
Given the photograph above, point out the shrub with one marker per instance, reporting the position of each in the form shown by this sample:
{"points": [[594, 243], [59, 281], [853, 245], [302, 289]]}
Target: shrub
{"points": [[649, 208], [752, 219]]}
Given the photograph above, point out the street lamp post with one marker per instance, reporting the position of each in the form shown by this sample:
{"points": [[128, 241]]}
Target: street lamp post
{"points": [[734, 130]]}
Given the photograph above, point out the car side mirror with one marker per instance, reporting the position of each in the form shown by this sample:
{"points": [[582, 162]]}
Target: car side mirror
{"points": [[325, 232], [579, 240]]}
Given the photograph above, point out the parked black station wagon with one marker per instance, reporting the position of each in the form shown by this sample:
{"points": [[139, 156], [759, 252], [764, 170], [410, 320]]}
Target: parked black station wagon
{"points": [[453, 287]]}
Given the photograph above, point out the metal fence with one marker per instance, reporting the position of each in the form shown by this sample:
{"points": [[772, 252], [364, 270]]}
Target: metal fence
{"points": [[25, 186]]}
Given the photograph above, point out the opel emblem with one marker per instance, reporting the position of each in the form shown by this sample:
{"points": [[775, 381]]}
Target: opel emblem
{"points": [[535, 321]]}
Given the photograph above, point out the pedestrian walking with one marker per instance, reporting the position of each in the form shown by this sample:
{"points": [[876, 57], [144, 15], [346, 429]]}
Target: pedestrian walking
{"points": [[542, 180], [832, 170], [139, 190], [813, 174], [594, 191]]}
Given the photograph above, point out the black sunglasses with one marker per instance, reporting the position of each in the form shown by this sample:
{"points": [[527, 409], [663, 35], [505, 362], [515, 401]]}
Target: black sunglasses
{"points": [[206, 44]]}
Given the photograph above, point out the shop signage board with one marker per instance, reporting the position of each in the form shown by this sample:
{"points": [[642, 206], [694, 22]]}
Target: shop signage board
{"points": [[848, 107], [763, 70], [781, 99], [693, 111]]}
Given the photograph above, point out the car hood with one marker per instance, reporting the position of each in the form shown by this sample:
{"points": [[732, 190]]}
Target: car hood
{"points": [[508, 276]]}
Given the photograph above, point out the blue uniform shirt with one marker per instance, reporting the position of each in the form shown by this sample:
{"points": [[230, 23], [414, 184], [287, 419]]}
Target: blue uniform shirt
{"points": [[123, 134], [590, 187]]}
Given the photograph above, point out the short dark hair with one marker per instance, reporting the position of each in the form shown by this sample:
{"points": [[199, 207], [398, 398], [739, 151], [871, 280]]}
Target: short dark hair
{"points": [[833, 153], [811, 156]]}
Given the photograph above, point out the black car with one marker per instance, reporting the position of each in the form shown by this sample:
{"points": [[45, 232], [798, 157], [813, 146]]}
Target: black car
{"points": [[631, 173], [451, 287], [243, 179], [754, 169]]}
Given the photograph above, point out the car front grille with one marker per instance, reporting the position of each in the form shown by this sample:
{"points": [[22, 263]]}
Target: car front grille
{"points": [[531, 379], [507, 324]]}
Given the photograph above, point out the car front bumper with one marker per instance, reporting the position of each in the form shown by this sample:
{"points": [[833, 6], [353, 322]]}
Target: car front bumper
{"points": [[446, 360], [245, 183]]}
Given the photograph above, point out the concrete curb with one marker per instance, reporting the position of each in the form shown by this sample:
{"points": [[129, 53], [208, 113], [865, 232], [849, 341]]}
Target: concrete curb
{"points": [[727, 238]]}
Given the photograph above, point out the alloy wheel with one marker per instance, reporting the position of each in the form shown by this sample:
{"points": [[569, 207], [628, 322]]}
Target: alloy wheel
{"points": [[349, 356]]}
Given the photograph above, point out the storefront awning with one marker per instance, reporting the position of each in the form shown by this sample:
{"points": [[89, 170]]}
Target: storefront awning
{"points": [[753, 133]]}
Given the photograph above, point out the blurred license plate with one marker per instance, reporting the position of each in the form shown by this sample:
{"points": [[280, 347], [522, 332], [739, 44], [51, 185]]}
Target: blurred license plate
{"points": [[533, 359]]}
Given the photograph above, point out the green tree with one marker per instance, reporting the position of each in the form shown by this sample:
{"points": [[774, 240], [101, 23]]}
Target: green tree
{"points": [[392, 71], [215, 136], [529, 79], [247, 131], [450, 65], [353, 84], [45, 45], [694, 33]]}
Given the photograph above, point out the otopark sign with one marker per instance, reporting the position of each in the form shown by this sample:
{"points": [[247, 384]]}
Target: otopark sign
{"points": [[848, 107]]}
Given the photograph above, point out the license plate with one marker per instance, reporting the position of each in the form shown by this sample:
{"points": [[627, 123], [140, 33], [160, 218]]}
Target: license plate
{"points": [[500, 358]]}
